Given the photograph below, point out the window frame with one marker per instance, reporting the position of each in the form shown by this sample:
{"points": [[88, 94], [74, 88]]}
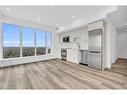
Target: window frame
{"points": [[21, 42]]}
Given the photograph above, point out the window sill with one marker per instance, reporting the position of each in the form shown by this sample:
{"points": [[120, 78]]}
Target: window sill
{"points": [[7, 59]]}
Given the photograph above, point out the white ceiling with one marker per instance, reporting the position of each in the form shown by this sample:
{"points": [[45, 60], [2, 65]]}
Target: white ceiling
{"points": [[119, 18], [52, 15]]}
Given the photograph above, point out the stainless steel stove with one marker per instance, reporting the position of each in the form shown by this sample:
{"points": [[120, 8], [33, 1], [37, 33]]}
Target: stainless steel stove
{"points": [[63, 54]]}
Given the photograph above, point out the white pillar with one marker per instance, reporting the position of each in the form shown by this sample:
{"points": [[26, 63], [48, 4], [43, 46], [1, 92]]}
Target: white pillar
{"points": [[1, 39], [108, 45]]}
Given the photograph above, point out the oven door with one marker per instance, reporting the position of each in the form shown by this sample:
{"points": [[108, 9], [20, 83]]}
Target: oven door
{"points": [[63, 54]]}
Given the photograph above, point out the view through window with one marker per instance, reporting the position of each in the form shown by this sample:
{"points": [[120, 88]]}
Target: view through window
{"points": [[30, 39], [41, 42], [11, 37], [28, 42]]}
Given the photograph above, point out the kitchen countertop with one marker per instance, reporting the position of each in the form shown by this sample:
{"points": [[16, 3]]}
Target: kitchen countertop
{"points": [[76, 49], [83, 49]]}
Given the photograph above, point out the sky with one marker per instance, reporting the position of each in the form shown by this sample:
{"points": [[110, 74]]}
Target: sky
{"points": [[11, 34]]}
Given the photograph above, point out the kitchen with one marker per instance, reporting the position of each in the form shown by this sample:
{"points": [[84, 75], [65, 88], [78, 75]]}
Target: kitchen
{"points": [[75, 45]]}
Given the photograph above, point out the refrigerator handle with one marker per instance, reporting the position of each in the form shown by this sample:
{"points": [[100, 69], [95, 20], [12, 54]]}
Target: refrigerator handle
{"points": [[94, 52]]}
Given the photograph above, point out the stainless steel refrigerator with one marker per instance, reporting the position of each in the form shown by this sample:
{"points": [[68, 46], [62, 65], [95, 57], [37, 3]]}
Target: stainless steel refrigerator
{"points": [[95, 49]]}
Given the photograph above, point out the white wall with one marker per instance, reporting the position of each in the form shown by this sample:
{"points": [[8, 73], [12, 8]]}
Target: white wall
{"points": [[122, 44], [111, 43], [1, 43], [56, 46], [14, 61]]}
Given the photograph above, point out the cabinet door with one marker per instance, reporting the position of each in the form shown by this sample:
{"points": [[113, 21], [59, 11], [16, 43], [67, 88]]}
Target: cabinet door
{"points": [[96, 25], [72, 55], [69, 55]]}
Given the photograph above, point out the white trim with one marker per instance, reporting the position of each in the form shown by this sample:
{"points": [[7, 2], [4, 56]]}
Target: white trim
{"points": [[21, 44], [35, 43], [1, 41], [46, 44], [52, 43]]}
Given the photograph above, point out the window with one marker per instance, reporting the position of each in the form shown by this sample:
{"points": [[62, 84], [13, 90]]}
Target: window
{"points": [[40, 42], [49, 43], [11, 41], [28, 42]]}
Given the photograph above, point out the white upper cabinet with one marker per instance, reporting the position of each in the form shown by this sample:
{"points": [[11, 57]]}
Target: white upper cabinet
{"points": [[96, 25]]}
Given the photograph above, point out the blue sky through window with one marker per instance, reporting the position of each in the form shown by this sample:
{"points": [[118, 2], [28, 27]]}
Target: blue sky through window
{"points": [[11, 35], [41, 38], [49, 38], [28, 37]]}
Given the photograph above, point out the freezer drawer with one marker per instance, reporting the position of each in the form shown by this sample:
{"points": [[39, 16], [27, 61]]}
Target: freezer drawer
{"points": [[95, 60]]}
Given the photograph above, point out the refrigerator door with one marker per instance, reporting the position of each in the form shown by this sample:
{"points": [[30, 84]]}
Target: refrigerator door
{"points": [[95, 60], [95, 55], [95, 40]]}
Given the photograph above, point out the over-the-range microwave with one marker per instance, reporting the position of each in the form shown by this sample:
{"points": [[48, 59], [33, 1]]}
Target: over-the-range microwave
{"points": [[66, 39]]}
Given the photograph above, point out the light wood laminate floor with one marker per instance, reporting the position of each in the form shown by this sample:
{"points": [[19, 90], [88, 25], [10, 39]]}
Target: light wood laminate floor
{"points": [[58, 74]]}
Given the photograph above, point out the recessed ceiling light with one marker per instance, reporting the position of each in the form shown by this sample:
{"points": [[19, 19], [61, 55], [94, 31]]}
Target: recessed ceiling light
{"points": [[38, 18], [8, 9], [72, 17], [125, 23]]}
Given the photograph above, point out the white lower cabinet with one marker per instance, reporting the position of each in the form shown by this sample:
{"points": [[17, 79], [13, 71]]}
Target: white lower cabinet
{"points": [[72, 55]]}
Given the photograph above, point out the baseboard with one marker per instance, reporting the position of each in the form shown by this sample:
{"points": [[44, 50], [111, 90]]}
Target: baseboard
{"points": [[122, 59]]}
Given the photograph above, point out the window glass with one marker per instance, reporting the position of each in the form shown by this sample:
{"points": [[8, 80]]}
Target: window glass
{"points": [[40, 42], [28, 42], [11, 41]]}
